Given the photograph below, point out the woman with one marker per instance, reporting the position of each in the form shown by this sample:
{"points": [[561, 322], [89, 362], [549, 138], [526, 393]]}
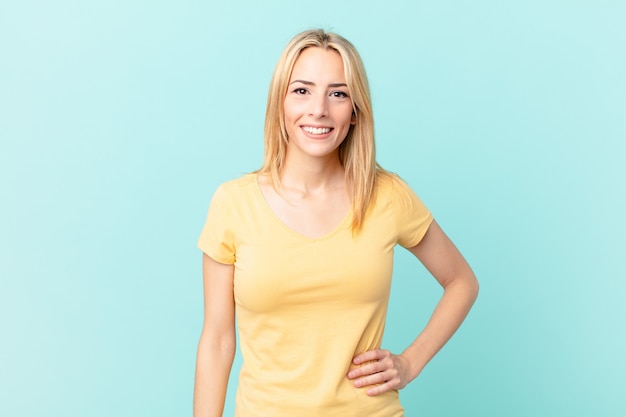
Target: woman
{"points": [[302, 250]]}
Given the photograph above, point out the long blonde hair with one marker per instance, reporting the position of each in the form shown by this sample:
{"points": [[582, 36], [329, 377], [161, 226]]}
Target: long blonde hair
{"points": [[357, 152]]}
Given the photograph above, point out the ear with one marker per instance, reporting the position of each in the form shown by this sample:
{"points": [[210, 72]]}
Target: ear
{"points": [[353, 119]]}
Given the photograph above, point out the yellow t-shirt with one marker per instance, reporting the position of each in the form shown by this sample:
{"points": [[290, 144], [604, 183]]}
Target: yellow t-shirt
{"points": [[305, 307]]}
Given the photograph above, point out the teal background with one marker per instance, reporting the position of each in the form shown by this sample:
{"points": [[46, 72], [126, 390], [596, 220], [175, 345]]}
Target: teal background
{"points": [[118, 119]]}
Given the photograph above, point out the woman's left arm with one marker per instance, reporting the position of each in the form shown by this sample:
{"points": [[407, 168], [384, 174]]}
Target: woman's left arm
{"points": [[383, 371]]}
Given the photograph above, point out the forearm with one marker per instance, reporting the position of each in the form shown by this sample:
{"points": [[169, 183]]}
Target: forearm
{"points": [[457, 299], [213, 365], [380, 370]]}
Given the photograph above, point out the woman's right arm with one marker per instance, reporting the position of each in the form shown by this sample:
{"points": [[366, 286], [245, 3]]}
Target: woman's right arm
{"points": [[217, 345]]}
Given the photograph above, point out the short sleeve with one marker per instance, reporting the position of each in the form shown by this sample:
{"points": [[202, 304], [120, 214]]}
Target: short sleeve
{"points": [[217, 237], [411, 215]]}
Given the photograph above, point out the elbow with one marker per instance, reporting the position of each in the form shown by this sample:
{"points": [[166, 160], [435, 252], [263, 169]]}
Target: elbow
{"points": [[470, 282], [218, 345], [474, 287], [471, 286], [227, 348], [465, 284]]}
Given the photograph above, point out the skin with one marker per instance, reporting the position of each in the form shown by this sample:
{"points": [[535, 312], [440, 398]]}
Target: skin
{"points": [[314, 201], [216, 348], [443, 260]]}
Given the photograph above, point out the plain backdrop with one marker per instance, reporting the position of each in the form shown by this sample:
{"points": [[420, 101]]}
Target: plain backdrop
{"points": [[118, 119]]}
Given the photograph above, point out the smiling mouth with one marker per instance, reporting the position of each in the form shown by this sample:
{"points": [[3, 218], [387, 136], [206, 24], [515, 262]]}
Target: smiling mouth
{"points": [[316, 130]]}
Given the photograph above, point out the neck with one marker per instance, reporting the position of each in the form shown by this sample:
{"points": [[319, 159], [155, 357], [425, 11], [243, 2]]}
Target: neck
{"points": [[309, 175]]}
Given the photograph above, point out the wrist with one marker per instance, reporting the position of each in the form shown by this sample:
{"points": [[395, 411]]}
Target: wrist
{"points": [[411, 359]]}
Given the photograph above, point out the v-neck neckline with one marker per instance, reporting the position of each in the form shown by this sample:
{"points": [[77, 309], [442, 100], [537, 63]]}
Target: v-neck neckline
{"points": [[337, 229]]}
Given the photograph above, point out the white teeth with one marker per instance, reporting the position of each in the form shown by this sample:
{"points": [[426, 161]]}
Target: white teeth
{"points": [[316, 130]]}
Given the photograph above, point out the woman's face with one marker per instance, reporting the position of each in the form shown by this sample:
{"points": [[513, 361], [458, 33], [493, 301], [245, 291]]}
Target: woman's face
{"points": [[318, 108]]}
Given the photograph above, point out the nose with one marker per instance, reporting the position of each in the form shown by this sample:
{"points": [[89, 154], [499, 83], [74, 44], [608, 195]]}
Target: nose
{"points": [[319, 106]]}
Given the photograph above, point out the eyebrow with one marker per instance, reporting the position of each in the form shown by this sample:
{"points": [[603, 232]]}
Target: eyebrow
{"points": [[334, 85]]}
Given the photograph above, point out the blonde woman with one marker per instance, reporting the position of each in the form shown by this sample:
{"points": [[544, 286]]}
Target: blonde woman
{"points": [[302, 252]]}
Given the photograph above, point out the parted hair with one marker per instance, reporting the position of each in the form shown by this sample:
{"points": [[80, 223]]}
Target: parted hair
{"points": [[357, 152]]}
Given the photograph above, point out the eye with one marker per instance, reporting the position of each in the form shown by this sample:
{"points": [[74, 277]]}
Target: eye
{"points": [[339, 94], [300, 91]]}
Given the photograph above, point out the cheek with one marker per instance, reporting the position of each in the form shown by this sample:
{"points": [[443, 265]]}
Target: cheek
{"points": [[286, 112], [292, 108], [347, 116]]}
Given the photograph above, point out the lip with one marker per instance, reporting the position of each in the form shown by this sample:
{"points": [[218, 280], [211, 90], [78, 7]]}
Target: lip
{"points": [[316, 126], [319, 136], [316, 136]]}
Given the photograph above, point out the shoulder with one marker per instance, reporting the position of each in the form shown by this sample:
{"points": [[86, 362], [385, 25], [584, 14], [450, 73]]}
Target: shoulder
{"points": [[234, 194], [395, 193], [237, 188], [391, 187], [387, 180], [410, 215], [245, 182]]}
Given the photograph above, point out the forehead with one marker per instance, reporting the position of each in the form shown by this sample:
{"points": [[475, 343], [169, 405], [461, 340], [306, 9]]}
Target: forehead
{"points": [[316, 62]]}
